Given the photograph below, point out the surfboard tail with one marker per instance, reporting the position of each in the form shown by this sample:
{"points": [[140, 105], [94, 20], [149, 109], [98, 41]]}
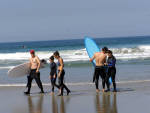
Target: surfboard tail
{"points": [[110, 80]]}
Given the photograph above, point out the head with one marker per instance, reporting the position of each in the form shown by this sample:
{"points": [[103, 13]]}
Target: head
{"points": [[109, 53], [56, 54], [32, 52], [51, 59], [104, 49], [43, 61]]}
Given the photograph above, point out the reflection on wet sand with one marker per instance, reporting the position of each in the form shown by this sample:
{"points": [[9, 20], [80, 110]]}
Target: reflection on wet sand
{"points": [[38, 106], [62, 103], [54, 105], [106, 103]]}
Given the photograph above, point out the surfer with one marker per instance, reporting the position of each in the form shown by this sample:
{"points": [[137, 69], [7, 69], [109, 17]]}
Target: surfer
{"points": [[34, 73], [61, 73], [100, 58], [53, 73], [23, 47], [111, 61]]}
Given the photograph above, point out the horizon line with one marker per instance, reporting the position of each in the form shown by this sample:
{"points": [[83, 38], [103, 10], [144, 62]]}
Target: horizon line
{"points": [[136, 36]]}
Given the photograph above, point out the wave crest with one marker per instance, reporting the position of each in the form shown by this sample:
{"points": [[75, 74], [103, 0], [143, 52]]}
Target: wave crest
{"points": [[81, 54]]}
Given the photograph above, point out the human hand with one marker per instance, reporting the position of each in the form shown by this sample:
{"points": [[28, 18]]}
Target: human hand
{"points": [[105, 64], [91, 59], [58, 74], [37, 71]]}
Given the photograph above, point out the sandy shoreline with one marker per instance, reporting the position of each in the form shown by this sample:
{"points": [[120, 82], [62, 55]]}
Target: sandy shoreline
{"points": [[131, 98]]}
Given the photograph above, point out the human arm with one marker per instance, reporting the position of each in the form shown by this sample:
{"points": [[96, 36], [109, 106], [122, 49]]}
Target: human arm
{"points": [[112, 62], [39, 64], [91, 59], [105, 60], [54, 75], [61, 66], [30, 63]]}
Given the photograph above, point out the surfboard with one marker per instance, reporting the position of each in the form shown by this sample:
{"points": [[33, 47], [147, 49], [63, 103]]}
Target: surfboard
{"points": [[91, 48], [23, 69]]}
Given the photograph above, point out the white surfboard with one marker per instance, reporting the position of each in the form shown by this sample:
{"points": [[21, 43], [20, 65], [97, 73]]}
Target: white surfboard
{"points": [[23, 69]]}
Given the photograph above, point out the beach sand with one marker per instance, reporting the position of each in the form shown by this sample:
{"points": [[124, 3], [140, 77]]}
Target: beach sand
{"points": [[130, 98]]}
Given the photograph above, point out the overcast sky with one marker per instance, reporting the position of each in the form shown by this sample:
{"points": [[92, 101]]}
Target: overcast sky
{"points": [[25, 20]]}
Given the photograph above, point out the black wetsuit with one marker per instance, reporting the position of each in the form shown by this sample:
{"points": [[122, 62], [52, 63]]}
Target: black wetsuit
{"points": [[111, 71], [53, 68], [99, 71], [61, 80], [36, 76]]}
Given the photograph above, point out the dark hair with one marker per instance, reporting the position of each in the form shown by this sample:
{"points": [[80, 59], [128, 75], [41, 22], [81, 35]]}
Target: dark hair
{"points": [[56, 53], [109, 51], [105, 49], [52, 58], [43, 61]]}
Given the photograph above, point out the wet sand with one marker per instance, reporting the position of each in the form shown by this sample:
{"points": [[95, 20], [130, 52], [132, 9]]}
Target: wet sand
{"points": [[130, 98]]}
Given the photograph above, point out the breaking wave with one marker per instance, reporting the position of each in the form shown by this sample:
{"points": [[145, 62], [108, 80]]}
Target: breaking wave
{"points": [[81, 54]]}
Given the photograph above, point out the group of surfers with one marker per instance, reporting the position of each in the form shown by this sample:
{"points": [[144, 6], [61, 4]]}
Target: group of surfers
{"points": [[105, 68]]}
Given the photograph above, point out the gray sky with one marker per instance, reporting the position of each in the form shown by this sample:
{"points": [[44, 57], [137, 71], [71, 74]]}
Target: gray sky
{"points": [[25, 20]]}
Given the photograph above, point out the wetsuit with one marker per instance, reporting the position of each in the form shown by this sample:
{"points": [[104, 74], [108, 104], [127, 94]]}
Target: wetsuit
{"points": [[53, 68], [111, 72], [99, 71], [61, 80], [36, 76]]}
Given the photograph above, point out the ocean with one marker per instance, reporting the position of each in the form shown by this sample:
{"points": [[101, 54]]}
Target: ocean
{"points": [[132, 54]]}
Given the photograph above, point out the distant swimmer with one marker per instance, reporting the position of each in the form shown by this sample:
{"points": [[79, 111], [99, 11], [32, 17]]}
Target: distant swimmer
{"points": [[111, 61], [100, 58], [61, 74], [34, 74], [23, 47], [53, 73]]}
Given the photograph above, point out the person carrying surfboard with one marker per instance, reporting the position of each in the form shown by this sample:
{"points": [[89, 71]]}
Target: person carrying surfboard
{"points": [[53, 73], [61, 74], [111, 61], [100, 58], [34, 73]]}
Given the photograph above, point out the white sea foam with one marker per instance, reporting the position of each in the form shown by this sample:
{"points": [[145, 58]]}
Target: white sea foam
{"points": [[68, 55], [140, 52], [81, 54]]}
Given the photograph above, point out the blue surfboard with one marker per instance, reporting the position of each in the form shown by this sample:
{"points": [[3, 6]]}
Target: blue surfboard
{"points": [[91, 48]]}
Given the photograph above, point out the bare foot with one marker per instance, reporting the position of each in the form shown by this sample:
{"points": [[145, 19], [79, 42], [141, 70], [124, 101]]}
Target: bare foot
{"points": [[59, 90], [52, 93], [103, 90], [97, 90]]}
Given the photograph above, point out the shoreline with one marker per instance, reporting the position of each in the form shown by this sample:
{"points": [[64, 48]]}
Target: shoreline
{"points": [[73, 84]]}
